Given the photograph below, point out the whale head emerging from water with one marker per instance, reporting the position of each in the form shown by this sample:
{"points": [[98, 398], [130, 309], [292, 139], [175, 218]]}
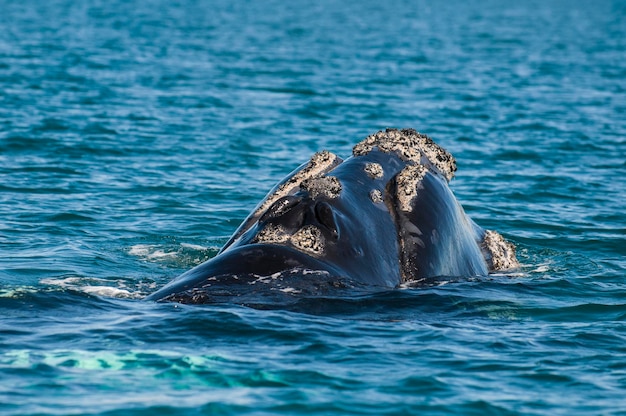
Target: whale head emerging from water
{"points": [[379, 219]]}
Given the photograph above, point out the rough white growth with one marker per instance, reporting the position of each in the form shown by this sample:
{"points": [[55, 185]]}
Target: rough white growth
{"points": [[374, 170], [499, 253], [309, 239], [272, 233], [407, 182], [319, 164], [376, 196], [411, 146], [328, 186]]}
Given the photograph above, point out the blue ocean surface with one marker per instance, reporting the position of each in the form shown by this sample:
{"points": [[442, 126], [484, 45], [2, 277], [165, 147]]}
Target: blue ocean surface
{"points": [[135, 136]]}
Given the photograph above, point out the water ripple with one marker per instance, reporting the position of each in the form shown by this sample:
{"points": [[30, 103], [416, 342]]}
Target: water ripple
{"points": [[135, 137]]}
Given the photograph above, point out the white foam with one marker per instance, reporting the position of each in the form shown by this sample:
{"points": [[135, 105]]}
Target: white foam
{"points": [[93, 286], [541, 268], [151, 252], [194, 246], [68, 281], [140, 250], [13, 293], [108, 291]]}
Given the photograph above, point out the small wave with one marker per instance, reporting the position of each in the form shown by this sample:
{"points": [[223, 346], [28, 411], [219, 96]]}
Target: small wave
{"points": [[150, 252], [183, 255], [16, 292], [194, 246], [104, 360], [154, 252], [108, 291], [119, 288]]}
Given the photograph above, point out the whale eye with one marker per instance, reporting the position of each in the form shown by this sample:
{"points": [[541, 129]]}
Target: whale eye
{"points": [[280, 207], [324, 215]]}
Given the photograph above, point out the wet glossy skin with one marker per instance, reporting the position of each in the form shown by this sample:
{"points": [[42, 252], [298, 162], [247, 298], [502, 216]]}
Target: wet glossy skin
{"points": [[359, 242], [381, 218], [359, 236]]}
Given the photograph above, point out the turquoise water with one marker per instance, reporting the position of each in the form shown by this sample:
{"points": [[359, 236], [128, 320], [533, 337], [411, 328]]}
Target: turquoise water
{"points": [[136, 136]]}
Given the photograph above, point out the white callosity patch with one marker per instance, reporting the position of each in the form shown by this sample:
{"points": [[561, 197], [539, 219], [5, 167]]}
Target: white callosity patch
{"points": [[319, 164], [312, 180], [272, 233], [408, 183], [309, 239], [499, 253], [328, 186], [412, 147], [374, 170], [376, 196]]}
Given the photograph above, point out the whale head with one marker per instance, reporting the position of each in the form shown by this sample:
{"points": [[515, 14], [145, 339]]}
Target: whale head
{"points": [[383, 217]]}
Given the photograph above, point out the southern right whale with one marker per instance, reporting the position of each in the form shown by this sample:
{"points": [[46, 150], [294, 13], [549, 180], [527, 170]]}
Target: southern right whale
{"points": [[382, 218]]}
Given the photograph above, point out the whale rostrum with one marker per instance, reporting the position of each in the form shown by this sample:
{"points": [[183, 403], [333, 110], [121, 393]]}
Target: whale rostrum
{"points": [[382, 218]]}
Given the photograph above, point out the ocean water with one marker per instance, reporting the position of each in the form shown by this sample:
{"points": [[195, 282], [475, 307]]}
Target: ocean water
{"points": [[136, 136]]}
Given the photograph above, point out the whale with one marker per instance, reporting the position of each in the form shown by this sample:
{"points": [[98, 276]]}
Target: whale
{"points": [[382, 219]]}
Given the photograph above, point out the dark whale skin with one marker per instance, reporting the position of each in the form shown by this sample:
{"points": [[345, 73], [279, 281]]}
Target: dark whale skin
{"points": [[383, 218]]}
